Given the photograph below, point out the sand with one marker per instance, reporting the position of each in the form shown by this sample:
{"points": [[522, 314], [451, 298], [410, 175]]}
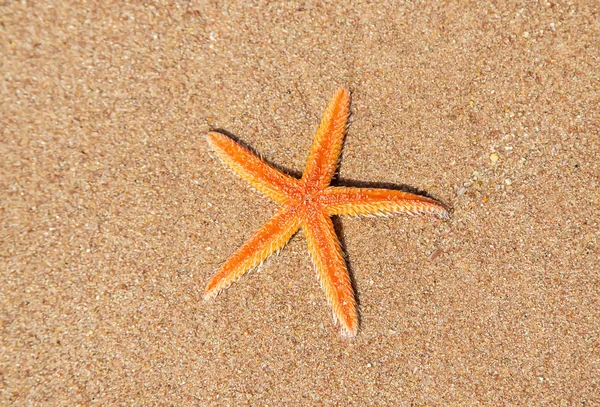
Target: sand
{"points": [[114, 213]]}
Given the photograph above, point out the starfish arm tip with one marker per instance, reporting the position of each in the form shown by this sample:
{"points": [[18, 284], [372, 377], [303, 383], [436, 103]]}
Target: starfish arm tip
{"points": [[212, 290], [442, 211], [343, 90], [349, 331], [209, 295], [211, 137]]}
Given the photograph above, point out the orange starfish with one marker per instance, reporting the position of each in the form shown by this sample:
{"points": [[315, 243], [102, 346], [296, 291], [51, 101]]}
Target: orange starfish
{"points": [[308, 203]]}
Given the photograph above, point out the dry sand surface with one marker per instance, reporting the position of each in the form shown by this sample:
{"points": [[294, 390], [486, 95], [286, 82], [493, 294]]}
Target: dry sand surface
{"points": [[114, 213]]}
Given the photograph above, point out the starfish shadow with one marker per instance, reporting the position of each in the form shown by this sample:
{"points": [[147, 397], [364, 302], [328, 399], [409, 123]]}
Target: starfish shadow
{"points": [[339, 227], [289, 171], [338, 182], [339, 231], [348, 182]]}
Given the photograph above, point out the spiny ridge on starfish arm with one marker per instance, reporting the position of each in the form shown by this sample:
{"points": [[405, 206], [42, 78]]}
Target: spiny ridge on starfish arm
{"points": [[307, 204]]}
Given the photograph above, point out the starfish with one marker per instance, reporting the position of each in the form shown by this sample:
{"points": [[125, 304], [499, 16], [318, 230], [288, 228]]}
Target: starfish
{"points": [[309, 203]]}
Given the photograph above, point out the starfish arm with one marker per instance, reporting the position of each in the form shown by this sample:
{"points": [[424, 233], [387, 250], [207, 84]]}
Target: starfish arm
{"points": [[369, 201], [263, 177], [327, 257], [271, 237], [325, 151]]}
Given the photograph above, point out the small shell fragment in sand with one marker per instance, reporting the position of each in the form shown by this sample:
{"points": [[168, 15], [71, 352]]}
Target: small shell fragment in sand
{"points": [[435, 254]]}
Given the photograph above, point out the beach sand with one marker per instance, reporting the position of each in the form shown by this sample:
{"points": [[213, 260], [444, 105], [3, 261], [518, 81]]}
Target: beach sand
{"points": [[115, 214]]}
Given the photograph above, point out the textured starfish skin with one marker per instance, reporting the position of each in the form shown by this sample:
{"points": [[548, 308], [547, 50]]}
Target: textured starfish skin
{"points": [[308, 203]]}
